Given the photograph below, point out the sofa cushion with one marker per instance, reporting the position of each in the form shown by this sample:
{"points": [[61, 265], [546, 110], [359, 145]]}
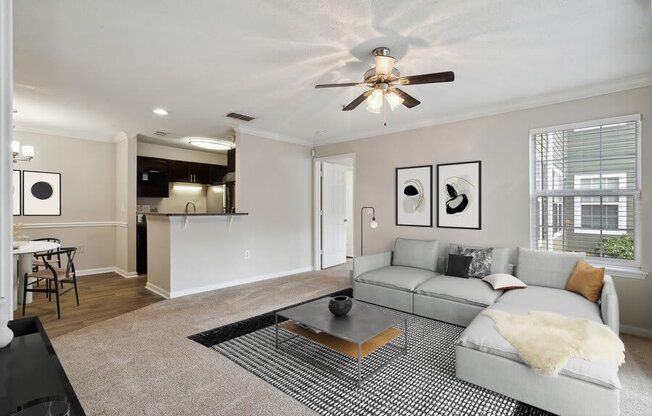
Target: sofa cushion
{"points": [[500, 262], [469, 291], [458, 265], [546, 268], [421, 254], [396, 277], [481, 335], [539, 298], [587, 281], [481, 263]]}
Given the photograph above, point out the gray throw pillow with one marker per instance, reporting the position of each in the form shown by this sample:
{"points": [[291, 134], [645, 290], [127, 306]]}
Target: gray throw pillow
{"points": [[481, 263]]}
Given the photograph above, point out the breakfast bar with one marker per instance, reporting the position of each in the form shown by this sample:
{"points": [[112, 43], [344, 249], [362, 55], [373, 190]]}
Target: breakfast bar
{"points": [[191, 253]]}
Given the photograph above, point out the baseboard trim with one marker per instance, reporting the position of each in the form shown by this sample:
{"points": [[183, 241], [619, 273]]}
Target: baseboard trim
{"points": [[635, 330], [222, 285], [102, 270], [157, 290], [99, 270], [125, 274]]}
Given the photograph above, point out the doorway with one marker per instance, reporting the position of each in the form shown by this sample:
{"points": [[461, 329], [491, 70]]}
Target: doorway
{"points": [[334, 207]]}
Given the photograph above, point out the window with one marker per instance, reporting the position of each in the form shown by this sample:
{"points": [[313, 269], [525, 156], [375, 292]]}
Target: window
{"points": [[585, 189]]}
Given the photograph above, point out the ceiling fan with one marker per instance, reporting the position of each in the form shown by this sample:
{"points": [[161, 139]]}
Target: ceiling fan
{"points": [[384, 79]]}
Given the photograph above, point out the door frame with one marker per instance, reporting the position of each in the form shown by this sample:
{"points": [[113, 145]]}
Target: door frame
{"points": [[317, 193]]}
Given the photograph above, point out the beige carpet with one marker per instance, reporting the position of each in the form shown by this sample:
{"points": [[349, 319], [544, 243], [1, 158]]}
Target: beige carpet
{"points": [[141, 363]]}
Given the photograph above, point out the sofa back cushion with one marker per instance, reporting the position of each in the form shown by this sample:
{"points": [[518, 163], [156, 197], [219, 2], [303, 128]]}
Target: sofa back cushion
{"points": [[499, 258], [421, 254], [546, 268]]}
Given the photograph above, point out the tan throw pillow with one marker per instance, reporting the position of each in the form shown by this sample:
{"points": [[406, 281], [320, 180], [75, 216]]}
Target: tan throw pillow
{"points": [[587, 281], [503, 281]]}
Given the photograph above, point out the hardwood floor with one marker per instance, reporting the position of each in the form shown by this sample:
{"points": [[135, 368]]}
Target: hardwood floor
{"points": [[101, 297]]}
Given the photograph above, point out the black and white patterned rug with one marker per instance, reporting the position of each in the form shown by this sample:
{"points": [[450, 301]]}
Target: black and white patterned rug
{"points": [[421, 383]]}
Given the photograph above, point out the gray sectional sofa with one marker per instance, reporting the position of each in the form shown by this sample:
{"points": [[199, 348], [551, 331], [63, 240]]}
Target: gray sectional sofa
{"points": [[412, 279]]}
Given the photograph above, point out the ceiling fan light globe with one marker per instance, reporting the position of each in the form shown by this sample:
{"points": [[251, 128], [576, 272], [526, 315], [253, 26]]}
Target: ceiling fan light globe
{"points": [[375, 101], [394, 100]]}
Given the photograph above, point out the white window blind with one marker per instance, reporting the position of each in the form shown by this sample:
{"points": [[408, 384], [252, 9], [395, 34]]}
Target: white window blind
{"points": [[585, 189]]}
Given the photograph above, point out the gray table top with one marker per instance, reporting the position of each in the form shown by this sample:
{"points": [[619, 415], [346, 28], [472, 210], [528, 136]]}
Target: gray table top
{"points": [[358, 326]]}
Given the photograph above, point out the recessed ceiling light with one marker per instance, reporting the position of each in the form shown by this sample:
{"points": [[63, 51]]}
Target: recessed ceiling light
{"points": [[160, 111], [210, 144]]}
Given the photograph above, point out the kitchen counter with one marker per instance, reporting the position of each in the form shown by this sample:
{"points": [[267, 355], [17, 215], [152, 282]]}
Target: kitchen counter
{"points": [[197, 214]]}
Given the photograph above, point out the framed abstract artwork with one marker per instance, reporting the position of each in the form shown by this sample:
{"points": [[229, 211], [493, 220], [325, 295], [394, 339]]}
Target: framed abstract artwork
{"points": [[15, 192], [459, 196], [41, 193], [414, 196]]}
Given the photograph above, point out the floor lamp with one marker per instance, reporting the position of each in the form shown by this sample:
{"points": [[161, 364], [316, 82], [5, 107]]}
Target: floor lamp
{"points": [[372, 224]]}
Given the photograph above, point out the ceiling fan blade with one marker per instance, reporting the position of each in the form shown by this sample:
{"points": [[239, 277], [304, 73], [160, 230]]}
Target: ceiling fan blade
{"points": [[408, 100], [353, 104], [427, 78], [346, 84]]}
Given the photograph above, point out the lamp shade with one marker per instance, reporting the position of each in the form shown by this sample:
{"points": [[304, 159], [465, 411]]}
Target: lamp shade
{"points": [[28, 151], [15, 146], [373, 223]]}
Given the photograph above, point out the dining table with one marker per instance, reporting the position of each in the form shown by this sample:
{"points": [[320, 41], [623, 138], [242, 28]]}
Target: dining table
{"points": [[25, 252]]}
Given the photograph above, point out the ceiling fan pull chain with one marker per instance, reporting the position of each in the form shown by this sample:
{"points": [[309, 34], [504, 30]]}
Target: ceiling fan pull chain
{"points": [[384, 112]]}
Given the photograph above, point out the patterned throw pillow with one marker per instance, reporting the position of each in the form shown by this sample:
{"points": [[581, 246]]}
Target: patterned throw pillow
{"points": [[481, 264]]}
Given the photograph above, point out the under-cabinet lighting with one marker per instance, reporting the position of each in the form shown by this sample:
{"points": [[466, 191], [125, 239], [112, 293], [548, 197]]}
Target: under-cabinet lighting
{"points": [[187, 187]]}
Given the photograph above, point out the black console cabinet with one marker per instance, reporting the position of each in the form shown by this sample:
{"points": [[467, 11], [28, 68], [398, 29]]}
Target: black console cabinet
{"points": [[30, 370]]}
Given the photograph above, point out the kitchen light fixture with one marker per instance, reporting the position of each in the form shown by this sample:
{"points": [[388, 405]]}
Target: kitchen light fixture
{"points": [[372, 224], [160, 111], [211, 144], [27, 152], [187, 187]]}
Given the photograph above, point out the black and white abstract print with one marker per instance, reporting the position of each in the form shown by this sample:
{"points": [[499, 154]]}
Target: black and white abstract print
{"points": [[414, 196], [459, 195], [41, 193]]}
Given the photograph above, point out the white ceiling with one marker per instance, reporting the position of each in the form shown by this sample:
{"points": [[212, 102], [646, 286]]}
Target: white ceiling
{"points": [[93, 69]]}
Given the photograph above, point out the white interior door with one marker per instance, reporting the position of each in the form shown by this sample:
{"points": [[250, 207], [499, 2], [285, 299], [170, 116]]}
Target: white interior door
{"points": [[333, 220]]}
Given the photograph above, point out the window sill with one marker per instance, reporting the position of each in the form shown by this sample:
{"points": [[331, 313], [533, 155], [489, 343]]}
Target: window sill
{"points": [[622, 271]]}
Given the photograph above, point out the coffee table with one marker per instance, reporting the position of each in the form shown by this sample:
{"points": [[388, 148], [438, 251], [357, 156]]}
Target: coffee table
{"points": [[360, 325]]}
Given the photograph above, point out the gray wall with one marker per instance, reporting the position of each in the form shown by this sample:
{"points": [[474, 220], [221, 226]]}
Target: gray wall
{"points": [[501, 142], [88, 172], [274, 185]]}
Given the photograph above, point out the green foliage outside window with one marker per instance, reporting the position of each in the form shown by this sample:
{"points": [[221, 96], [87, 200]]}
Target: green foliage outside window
{"points": [[618, 247]]}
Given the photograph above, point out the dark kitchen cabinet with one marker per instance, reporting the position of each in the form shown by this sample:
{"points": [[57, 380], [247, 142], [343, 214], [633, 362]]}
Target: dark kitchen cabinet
{"points": [[217, 173], [152, 177], [201, 173], [180, 171], [190, 172], [141, 249]]}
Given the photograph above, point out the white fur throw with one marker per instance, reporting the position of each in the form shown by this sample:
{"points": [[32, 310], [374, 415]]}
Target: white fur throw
{"points": [[546, 340]]}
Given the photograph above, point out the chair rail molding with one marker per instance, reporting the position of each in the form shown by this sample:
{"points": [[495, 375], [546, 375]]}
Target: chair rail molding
{"points": [[39, 225]]}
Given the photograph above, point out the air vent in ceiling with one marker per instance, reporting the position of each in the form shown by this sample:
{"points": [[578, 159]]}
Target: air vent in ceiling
{"points": [[161, 133], [240, 116]]}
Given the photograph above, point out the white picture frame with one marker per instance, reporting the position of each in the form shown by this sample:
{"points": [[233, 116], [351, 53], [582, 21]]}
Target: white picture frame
{"points": [[41, 193]]}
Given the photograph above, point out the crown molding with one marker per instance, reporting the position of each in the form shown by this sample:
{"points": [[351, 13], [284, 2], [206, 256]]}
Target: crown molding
{"points": [[594, 90], [273, 136], [70, 134]]}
